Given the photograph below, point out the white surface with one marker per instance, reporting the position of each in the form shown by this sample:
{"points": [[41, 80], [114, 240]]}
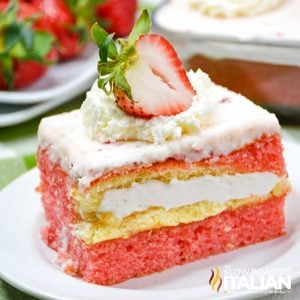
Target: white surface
{"points": [[272, 37], [177, 193], [28, 265], [61, 82], [232, 124]]}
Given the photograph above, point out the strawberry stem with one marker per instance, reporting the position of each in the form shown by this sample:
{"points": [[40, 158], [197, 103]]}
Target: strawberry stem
{"points": [[114, 61]]}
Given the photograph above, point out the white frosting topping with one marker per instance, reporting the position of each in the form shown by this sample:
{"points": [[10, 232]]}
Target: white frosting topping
{"points": [[154, 193], [106, 122], [233, 123], [233, 8]]}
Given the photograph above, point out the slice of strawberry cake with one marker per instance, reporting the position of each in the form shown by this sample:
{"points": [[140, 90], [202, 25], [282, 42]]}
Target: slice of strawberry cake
{"points": [[158, 168]]}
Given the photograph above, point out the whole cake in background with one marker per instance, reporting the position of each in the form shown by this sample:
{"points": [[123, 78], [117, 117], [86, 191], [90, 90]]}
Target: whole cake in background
{"points": [[249, 46], [158, 168], [233, 8]]}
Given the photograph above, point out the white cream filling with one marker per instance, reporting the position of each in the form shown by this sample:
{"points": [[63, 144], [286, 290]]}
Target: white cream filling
{"points": [[154, 193]]}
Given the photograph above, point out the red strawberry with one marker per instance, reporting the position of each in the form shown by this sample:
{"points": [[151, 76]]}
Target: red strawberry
{"points": [[146, 76], [3, 84], [59, 20], [26, 73], [25, 10], [118, 15], [24, 59]]}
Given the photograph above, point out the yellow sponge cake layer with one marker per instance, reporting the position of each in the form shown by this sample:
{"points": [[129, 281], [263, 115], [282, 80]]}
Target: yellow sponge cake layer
{"points": [[242, 161], [109, 226]]}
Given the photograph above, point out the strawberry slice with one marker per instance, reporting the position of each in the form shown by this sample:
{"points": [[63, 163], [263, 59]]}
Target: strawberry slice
{"points": [[158, 71], [146, 75]]}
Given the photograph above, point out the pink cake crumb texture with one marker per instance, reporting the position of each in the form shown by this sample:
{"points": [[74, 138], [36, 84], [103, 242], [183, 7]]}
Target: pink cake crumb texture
{"points": [[117, 260]]}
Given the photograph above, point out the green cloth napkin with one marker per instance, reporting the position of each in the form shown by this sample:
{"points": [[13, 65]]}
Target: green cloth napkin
{"points": [[17, 155]]}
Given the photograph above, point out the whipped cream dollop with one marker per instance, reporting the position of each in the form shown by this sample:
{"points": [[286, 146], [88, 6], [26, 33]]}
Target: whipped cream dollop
{"points": [[106, 122], [234, 8]]}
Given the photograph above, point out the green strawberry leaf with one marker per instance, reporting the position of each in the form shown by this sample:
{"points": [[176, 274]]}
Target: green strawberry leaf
{"points": [[104, 48], [6, 68], [42, 43], [99, 35], [80, 29], [84, 10], [142, 26], [106, 68], [122, 83], [26, 35], [19, 52], [10, 13], [12, 36], [103, 83]]}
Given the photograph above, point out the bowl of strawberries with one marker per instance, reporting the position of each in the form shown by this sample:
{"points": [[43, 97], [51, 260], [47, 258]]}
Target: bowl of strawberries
{"points": [[45, 49]]}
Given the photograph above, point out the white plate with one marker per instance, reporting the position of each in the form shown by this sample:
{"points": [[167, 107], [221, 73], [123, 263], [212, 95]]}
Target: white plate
{"points": [[62, 82], [16, 114], [27, 263]]}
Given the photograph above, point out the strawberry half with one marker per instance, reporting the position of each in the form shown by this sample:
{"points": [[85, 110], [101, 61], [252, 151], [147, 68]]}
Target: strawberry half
{"points": [[146, 75]]}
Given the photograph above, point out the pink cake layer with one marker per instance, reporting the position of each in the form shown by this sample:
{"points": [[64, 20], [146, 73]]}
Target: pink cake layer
{"points": [[117, 260], [114, 261]]}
